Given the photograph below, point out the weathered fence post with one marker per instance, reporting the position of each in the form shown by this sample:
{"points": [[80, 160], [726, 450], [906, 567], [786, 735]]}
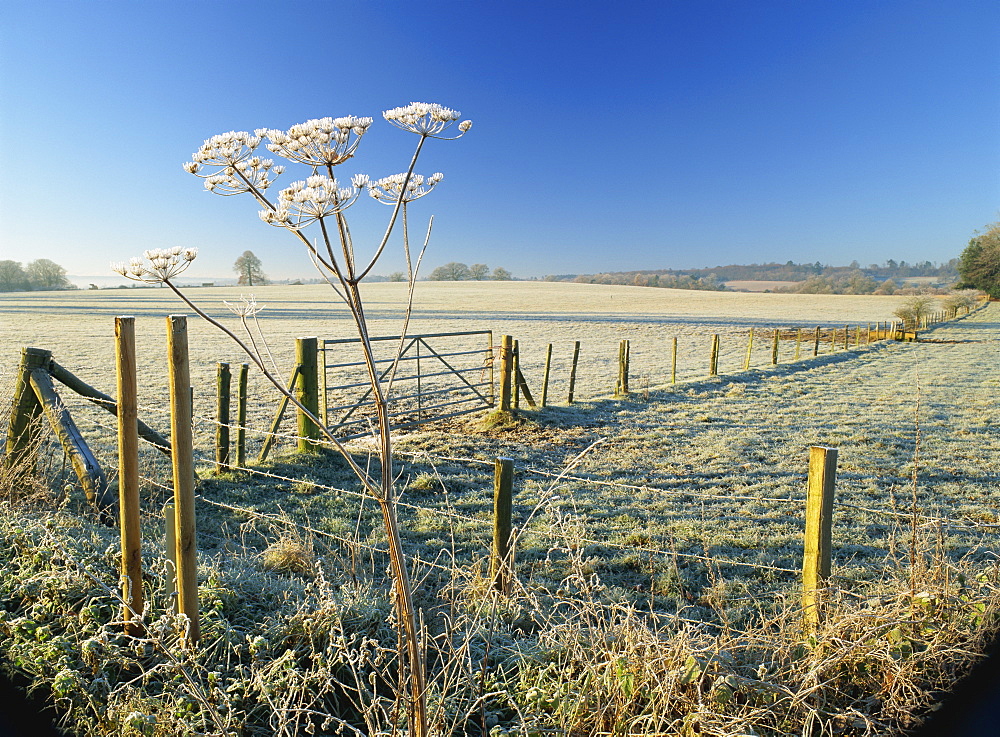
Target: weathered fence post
{"points": [[22, 432], [223, 382], [746, 361], [713, 356], [572, 371], [85, 464], [307, 392], [501, 563], [798, 343], [183, 466], [774, 346], [847, 337], [545, 379], [673, 361], [621, 386], [241, 416], [279, 413], [816, 344], [506, 371], [128, 476], [520, 385], [816, 561]]}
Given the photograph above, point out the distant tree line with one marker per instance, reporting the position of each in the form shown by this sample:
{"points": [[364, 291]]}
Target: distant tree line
{"points": [[456, 271], [664, 279], [815, 278], [35, 275]]}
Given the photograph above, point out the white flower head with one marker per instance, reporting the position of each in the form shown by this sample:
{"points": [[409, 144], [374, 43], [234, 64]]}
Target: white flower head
{"points": [[425, 118], [303, 203], [156, 265], [234, 167], [319, 142], [397, 188]]}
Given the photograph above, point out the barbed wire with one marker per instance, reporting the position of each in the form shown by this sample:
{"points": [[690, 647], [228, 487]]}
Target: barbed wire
{"points": [[983, 528]]}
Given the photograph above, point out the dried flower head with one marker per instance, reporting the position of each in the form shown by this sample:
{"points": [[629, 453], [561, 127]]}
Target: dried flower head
{"points": [[319, 196], [397, 188], [246, 307], [426, 118], [157, 265], [235, 169], [319, 142]]}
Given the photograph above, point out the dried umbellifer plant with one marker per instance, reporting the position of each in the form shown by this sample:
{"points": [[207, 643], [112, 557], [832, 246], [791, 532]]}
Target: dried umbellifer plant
{"points": [[229, 164]]}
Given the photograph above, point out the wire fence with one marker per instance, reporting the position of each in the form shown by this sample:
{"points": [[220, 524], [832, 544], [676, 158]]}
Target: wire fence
{"points": [[546, 521], [532, 522]]}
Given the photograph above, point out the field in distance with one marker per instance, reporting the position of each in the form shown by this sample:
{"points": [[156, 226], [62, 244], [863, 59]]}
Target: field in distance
{"points": [[79, 325]]}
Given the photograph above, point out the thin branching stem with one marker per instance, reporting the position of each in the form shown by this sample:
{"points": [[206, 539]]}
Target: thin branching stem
{"points": [[369, 483], [395, 211]]}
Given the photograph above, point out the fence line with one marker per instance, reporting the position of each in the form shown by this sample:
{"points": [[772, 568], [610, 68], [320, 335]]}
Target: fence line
{"points": [[183, 454], [989, 529]]}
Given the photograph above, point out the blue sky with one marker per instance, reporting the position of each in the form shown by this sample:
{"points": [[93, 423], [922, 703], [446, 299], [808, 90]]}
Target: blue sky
{"points": [[608, 136]]}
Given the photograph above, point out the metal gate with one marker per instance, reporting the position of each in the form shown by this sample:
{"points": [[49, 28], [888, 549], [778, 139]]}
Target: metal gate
{"points": [[437, 375]]}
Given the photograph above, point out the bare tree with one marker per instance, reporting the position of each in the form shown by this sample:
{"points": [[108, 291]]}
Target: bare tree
{"points": [[250, 269], [479, 272]]}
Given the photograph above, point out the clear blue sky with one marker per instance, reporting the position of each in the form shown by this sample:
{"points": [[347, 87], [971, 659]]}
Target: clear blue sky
{"points": [[608, 136]]}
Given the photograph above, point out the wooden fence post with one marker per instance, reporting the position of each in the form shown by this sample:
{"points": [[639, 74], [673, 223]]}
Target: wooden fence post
{"points": [[673, 361], [816, 561], [713, 356], [572, 371], [22, 431], [241, 416], [183, 466], [816, 344], [506, 371], [501, 563], [276, 422], [774, 346], [545, 379], [847, 337], [746, 361], [798, 343], [307, 392], [128, 476], [86, 466], [520, 385], [621, 386], [223, 383]]}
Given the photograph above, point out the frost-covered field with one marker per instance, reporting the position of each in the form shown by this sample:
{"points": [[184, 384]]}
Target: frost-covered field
{"points": [[711, 466], [79, 326], [679, 509]]}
